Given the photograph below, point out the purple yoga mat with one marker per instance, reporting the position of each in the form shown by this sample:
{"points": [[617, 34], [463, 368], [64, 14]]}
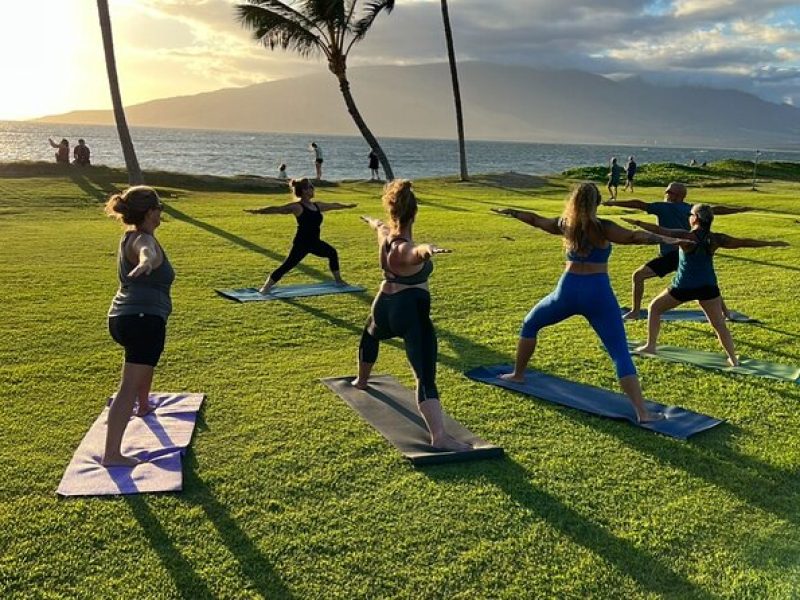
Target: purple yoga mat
{"points": [[160, 438]]}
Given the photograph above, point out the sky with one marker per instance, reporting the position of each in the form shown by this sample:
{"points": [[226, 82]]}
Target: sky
{"points": [[169, 48]]}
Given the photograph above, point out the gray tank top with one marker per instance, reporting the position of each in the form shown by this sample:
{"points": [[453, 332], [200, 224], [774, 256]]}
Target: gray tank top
{"points": [[146, 294]]}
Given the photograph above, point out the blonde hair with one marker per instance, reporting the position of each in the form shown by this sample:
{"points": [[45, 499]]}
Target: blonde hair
{"points": [[705, 214], [400, 203], [131, 206], [579, 220], [299, 186]]}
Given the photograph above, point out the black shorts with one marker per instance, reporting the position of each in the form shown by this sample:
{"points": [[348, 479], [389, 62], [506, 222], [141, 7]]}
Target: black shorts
{"points": [[706, 292], [666, 263], [319, 161], [141, 335]]}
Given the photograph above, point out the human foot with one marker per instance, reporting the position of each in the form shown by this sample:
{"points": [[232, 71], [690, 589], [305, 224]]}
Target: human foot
{"points": [[265, 289], [120, 460], [632, 315], [734, 362], [143, 408], [649, 417], [358, 384], [512, 377], [646, 349], [340, 282], [448, 442]]}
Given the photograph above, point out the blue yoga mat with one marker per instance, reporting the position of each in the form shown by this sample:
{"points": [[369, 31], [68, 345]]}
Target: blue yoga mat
{"points": [[288, 291], [692, 314], [680, 423]]}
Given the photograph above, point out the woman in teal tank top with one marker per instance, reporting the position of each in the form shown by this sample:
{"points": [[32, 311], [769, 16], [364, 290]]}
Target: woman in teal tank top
{"points": [[138, 315], [696, 278]]}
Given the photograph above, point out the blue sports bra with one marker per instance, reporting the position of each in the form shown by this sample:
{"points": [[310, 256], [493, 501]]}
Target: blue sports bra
{"points": [[595, 255]]}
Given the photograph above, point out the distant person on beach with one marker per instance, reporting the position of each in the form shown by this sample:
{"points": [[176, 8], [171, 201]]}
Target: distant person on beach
{"points": [[693, 163], [62, 154], [81, 154], [672, 213], [317, 159], [630, 171], [584, 287], [282, 172], [307, 238], [137, 319], [373, 166], [695, 278], [614, 175], [402, 308]]}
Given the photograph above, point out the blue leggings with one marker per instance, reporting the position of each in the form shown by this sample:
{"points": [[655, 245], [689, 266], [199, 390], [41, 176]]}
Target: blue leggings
{"points": [[592, 297]]}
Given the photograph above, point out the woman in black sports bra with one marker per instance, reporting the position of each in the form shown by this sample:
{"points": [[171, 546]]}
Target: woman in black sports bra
{"points": [[403, 305], [307, 239]]}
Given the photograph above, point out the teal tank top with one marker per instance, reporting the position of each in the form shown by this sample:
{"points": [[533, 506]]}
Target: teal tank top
{"points": [[146, 294], [696, 267]]}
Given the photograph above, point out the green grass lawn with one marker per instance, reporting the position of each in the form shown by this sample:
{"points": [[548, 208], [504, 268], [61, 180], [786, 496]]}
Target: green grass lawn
{"points": [[288, 494]]}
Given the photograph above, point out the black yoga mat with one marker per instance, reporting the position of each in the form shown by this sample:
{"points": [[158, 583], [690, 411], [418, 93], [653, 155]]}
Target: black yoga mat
{"points": [[392, 410], [680, 423]]}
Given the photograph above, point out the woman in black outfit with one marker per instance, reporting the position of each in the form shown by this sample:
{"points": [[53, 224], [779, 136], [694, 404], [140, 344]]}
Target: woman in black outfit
{"points": [[307, 239]]}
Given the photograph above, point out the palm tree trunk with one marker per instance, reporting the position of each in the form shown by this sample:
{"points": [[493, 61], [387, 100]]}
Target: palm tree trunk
{"points": [[135, 176], [344, 85], [451, 55]]}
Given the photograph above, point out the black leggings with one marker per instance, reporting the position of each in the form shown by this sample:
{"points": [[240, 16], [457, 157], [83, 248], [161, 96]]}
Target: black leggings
{"points": [[301, 248], [406, 314]]}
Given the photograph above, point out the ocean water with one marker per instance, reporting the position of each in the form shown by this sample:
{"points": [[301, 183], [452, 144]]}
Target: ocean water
{"points": [[235, 153]]}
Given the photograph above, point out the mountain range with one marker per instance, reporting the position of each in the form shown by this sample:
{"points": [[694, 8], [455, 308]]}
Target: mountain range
{"points": [[500, 103]]}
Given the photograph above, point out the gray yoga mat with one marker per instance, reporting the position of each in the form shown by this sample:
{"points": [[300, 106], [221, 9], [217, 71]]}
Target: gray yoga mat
{"points": [[692, 314], [680, 422], [288, 291], [392, 410], [160, 438], [718, 361]]}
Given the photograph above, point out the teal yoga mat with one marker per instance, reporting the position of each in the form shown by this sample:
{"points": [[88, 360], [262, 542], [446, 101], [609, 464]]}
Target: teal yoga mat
{"points": [[718, 361], [288, 291], [692, 314]]}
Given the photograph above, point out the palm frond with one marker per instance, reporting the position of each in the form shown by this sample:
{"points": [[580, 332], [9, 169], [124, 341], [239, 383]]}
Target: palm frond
{"points": [[370, 13], [274, 24], [331, 12]]}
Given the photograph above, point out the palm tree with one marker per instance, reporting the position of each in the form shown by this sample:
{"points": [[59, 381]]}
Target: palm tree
{"points": [[329, 27], [451, 55], [135, 176]]}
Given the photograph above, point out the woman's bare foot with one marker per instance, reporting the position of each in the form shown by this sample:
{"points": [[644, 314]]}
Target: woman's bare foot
{"points": [[646, 349], [734, 362], [143, 409], [512, 377], [340, 282], [120, 461], [358, 384], [264, 289], [632, 315], [650, 417], [448, 442]]}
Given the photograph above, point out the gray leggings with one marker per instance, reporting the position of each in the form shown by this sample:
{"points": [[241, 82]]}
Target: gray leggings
{"points": [[406, 314]]}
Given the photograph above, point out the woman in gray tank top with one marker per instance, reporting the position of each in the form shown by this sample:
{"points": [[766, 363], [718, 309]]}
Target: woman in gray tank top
{"points": [[138, 315]]}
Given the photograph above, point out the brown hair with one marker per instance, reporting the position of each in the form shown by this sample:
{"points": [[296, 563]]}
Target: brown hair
{"points": [[705, 214], [299, 186], [579, 220], [400, 203], [131, 206]]}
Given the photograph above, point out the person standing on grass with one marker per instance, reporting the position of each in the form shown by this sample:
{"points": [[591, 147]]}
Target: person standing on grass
{"points": [[307, 239], [373, 166], [695, 278], [585, 288], [614, 174], [318, 160], [630, 172], [402, 307], [137, 319], [672, 213]]}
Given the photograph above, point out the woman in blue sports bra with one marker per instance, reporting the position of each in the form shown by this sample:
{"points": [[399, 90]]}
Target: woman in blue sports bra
{"points": [[402, 307], [696, 278], [585, 288]]}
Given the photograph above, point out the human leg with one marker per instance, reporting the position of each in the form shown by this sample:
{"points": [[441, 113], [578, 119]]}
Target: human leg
{"points": [[638, 278], [296, 254], [716, 316], [119, 413], [660, 304], [376, 329], [325, 250]]}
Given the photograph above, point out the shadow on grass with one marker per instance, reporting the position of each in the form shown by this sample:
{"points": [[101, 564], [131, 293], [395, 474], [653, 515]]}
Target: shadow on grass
{"points": [[648, 571], [758, 262], [738, 340], [95, 189]]}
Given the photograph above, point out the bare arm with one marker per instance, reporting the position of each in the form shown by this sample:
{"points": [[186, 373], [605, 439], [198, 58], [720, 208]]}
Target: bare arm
{"points": [[730, 210], [619, 235], [325, 206], [52, 143], [376, 225], [287, 209], [148, 257], [531, 218], [637, 204], [727, 241], [675, 233], [407, 254]]}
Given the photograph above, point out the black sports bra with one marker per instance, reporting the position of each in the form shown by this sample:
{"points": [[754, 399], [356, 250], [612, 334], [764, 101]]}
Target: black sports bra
{"points": [[420, 276]]}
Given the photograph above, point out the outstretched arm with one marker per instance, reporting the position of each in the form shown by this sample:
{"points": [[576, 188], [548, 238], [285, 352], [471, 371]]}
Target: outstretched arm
{"points": [[286, 209], [730, 210], [52, 143], [675, 233], [531, 218], [620, 235], [325, 206], [637, 204], [148, 259], [727, 241], [376, 225]]}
